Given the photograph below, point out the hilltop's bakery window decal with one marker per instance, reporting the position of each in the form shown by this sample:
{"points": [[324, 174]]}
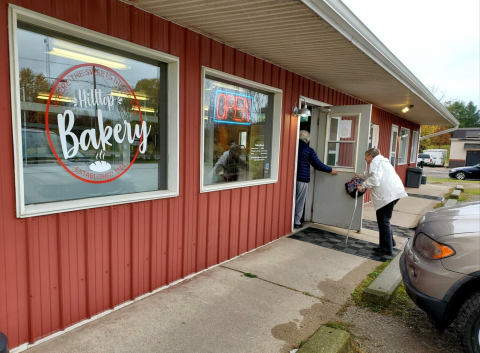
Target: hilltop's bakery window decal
{"points": [[238, 131], [92, 121]]}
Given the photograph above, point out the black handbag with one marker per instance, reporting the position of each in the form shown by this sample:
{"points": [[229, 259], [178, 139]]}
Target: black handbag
{"points": [[352, 187]]}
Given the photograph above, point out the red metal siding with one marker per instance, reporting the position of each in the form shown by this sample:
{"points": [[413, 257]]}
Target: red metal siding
{"points": [[60, 269]]}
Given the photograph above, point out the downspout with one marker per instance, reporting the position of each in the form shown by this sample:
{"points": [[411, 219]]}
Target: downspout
{"points": [[439, 133]]}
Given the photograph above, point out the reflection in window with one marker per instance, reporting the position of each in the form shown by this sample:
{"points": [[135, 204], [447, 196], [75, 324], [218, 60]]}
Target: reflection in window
{"points": [[403, 146], [413, 151], [102, 134], [341, 146], [237, 132]]}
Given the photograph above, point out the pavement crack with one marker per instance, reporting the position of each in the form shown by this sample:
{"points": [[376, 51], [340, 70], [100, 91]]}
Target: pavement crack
{"points": [[281, 285]]}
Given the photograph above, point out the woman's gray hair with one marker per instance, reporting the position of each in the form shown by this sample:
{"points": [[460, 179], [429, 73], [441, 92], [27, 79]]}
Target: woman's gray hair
{"points": [[372, 152], [305, 136]]}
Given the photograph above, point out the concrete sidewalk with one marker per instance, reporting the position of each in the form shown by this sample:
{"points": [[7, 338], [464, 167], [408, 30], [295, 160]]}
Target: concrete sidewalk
{"points": [[300, 286]]}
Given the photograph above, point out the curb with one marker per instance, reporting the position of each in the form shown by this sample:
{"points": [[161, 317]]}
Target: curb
{"points": [[383, 288], [328, 340]]}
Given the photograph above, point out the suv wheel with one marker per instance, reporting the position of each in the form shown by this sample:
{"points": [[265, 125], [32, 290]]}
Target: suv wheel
{"points": [[460, 176], [468, 325]]}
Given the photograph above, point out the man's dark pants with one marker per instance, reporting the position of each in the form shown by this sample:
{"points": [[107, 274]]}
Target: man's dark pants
{"points": [[384, 215]]}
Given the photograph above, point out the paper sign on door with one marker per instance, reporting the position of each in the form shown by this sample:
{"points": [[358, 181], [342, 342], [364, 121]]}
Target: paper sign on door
{"points": [[345, 129]]}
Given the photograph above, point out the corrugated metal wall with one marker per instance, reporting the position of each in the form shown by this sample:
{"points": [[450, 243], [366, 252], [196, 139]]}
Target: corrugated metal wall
{"points": [[60, 269]]}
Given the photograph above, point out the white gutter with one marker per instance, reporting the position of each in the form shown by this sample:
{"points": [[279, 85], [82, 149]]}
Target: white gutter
{"points": [[339, 16], [439, 133]]}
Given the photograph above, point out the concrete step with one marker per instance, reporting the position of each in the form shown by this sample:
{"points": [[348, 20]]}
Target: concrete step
{"points": [[455, 194], [459, 187], [382, 290], [328, 340], [450, 202]]}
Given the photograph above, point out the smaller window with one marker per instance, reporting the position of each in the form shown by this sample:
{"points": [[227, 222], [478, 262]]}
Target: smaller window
{"points": [[341, 141], [403, 146], [241, 132], [413, 152], [393, 144], [374, 136]]}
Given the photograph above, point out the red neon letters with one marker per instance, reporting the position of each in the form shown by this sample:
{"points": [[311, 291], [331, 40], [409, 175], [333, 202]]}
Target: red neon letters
{"points": [[233, 108]]}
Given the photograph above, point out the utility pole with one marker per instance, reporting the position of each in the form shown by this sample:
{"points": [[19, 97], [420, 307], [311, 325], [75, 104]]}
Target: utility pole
{"points": [[47, 54]]}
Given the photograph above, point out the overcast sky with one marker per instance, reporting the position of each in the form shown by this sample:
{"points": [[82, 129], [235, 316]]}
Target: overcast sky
{"points": [[437, 40]]}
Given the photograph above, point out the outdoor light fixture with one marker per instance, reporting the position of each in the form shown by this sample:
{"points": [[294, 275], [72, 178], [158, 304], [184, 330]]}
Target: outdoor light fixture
{"points": [[407, 108], [403, 133], [303, 112]]}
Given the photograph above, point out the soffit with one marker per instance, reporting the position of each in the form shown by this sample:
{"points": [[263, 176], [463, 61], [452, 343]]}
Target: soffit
{"points": [[291, 35]]}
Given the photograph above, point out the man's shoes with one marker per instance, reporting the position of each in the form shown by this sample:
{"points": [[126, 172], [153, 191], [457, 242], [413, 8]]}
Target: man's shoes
{"points": [[297, 226], [383, 252]]}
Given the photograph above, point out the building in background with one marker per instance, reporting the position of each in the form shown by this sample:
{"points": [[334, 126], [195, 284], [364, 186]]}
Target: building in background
{"points": [[465, 147]]}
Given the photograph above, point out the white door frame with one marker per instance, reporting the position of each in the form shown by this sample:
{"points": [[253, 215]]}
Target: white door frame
{"points": [[313, 137]]}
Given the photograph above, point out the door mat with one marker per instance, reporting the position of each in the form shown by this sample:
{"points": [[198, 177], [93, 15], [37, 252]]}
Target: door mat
{"points": [[398, 231], [334, 241], [436, 198]]}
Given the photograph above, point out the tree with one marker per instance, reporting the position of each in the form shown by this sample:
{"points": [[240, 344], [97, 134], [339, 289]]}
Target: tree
{"points": [[426, 130], [467, 114], [443, 139], [31, 84]]}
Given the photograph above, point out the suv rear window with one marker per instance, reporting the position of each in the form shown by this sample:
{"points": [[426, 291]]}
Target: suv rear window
{"points": [[423, 155]]}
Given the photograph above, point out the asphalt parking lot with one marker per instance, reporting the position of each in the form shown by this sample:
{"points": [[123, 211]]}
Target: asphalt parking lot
{"points": [[437, 172]]}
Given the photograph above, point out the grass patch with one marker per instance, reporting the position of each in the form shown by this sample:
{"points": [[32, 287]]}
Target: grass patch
{"points": [[336, 325], [250, 275], [399, 306], [306, 293], [472, 191], [455, 181], [438, 205]]}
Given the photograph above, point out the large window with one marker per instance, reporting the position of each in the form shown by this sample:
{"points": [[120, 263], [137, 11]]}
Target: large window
{"points": [[403, 146], [342, 141], [93, 122], [241, 132], [413, 151]]}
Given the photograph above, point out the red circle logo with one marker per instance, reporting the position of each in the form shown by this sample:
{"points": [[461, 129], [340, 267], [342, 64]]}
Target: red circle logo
{"points": [[115, 96]]}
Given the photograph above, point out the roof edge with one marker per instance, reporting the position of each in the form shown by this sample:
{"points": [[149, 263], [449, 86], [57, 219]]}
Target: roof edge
{"points": [[340, 17]]}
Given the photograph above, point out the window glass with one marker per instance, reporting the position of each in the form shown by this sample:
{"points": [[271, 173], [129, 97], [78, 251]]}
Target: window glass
{"points": [[393, 144], [90, 119], [341, 146], [237, 132], [413, 152], [403, 146]]}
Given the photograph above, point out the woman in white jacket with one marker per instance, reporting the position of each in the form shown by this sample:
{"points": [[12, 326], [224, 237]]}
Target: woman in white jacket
{"points": [[386, 189]]}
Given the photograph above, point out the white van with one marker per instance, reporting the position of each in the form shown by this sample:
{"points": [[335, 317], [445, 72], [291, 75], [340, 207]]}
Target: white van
{"points": [[438, 157]]}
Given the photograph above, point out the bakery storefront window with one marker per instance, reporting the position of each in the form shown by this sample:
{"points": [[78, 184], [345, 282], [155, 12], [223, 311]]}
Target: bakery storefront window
{"points": [[238, 131], [93, 119]]}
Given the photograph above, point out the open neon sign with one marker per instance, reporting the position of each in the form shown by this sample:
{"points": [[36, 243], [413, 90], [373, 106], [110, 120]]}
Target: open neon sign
{"points": [[232, 108]]}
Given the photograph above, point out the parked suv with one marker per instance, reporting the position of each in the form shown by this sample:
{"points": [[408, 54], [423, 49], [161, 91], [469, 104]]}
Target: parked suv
{"points": [[424, 159], [441, 270]]}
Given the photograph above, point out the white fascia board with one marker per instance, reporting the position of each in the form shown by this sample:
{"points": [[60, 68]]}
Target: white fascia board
{"points": [[339, 16]]}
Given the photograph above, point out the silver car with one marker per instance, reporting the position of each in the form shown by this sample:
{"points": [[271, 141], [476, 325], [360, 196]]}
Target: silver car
{"points": [[441, 270]]}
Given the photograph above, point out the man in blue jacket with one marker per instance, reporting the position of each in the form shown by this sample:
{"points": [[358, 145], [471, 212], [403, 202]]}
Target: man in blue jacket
{"points": [[306, 157]]}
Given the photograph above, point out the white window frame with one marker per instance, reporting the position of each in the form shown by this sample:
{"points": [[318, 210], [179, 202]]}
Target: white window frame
{"points": [[327, 140], [276, 131], [414, 148], [19, 14], [394, 128], [406, 148]]}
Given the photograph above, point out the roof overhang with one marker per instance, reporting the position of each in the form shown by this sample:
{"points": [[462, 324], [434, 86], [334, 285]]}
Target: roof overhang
{"points": [[318, 39]]}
